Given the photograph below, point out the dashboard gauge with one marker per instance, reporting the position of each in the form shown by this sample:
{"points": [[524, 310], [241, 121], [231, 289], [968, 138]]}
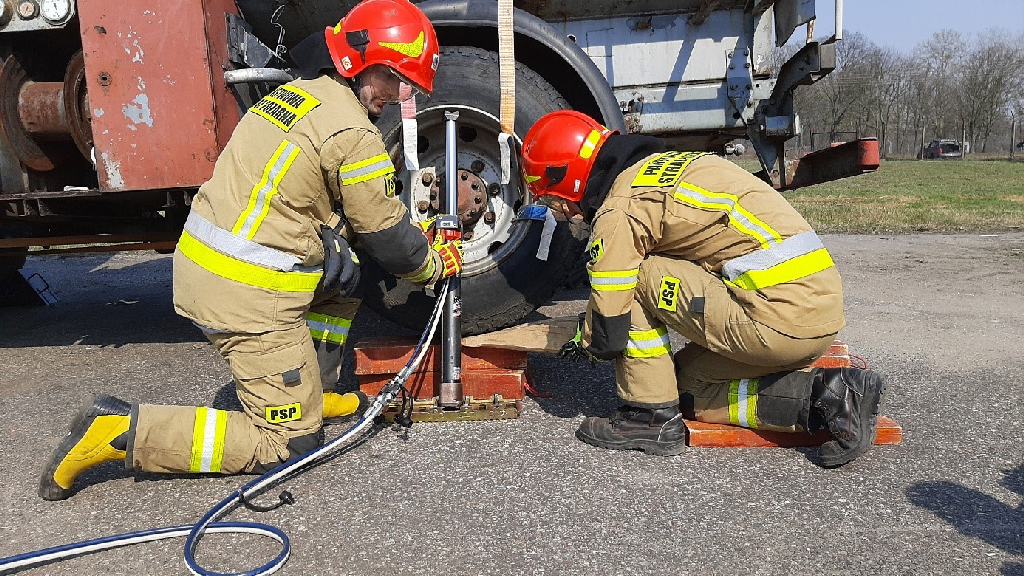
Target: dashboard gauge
{"points": [[55, 11]]}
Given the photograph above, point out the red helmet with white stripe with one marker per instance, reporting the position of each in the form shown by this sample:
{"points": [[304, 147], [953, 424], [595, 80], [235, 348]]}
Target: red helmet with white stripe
{"points": [[394, 33], [559, 152]]}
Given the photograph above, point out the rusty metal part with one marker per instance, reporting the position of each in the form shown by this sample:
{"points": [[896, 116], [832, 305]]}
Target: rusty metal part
{"points": [[493, 189], [39, 109], [94, 243], [839, 161], [34, 112], [423, 206], [472, 198], [156, 125], [495, 408], [76, 105], [12, 79], [427, 178]]}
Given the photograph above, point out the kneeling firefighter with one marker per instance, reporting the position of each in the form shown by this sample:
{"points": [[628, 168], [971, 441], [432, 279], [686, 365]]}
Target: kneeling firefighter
{"points": [[264, 265], [690, 241]]}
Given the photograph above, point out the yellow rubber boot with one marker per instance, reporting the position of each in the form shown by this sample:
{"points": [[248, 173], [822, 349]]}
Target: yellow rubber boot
{"points": [[96, 435], [338, 406]]}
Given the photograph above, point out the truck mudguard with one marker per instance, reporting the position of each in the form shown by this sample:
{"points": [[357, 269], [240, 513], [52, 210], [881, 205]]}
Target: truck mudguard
{"points": [[448, 15]]}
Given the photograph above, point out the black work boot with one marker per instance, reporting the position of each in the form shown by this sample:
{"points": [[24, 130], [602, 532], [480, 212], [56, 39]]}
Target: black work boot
{"points": [[658, 431], [846, 400]]}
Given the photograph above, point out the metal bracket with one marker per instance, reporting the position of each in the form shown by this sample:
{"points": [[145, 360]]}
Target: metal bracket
{"points": [[245, 49]]}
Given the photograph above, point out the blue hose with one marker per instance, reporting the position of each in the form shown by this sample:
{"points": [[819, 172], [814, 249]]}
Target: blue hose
{"points": [[208, 523]]}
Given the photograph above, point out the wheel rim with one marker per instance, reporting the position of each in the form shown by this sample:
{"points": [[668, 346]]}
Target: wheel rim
{"points": [[478, 152]]}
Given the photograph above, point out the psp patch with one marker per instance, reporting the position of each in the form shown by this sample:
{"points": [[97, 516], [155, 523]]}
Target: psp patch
{"points": [[596, 250], [286, 413], [665, 169], [668, 296], [285, 106]]}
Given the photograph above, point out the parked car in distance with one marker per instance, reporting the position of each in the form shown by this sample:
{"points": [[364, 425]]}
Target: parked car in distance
{"points": [[941, 149]]}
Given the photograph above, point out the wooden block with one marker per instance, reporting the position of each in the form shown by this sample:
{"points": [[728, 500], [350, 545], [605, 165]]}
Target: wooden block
{"points": [[387, 355], [724, 435], [837, 356], [510, 384], [546, 336]]}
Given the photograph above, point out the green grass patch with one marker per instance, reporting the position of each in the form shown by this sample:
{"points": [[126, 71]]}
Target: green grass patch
{"points": [[912, 196]]}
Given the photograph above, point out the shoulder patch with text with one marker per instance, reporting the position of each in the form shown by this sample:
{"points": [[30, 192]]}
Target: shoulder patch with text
{"points": [[286, 413], [668, 296], [285, 106], [665, 169]]}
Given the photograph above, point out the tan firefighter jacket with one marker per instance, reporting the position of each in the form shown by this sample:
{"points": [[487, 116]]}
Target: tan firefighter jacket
{"points": [[251, 257], [707, 210]]}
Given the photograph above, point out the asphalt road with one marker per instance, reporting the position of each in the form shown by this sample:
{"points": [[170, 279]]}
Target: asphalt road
{"points": [[940, 316]]}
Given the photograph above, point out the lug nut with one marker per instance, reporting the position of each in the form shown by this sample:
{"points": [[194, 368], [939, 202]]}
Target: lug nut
{"points": [[489, 217], [427, 178], [467, 235], [476, 167], [463, 175], [423, 206]]}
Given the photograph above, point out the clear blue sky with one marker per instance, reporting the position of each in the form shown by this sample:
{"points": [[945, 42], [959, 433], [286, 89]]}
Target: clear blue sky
{"points": [[902, 24]]}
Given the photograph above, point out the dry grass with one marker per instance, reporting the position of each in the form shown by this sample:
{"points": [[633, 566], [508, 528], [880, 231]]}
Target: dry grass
{"points": [[931, 196]]}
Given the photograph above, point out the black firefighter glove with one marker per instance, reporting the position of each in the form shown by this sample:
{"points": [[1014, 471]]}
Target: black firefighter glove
{"points": [[574, 349], [341, 266]]}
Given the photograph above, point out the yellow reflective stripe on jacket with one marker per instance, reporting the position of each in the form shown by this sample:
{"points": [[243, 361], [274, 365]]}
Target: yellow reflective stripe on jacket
{"points": [[794, 258], [208, 434], [364, 170], [648, 343], [426, 274], [739, 217], [613, 279], [328, 328], [743, 402], [240, 271], [259, 199]]}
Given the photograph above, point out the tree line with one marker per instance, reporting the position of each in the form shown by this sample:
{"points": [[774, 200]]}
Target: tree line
{"points": [[953, 85]]}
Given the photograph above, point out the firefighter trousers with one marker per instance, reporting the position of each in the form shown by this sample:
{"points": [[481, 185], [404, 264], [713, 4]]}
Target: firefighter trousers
{"points": [[279, 379], [732, 370]]}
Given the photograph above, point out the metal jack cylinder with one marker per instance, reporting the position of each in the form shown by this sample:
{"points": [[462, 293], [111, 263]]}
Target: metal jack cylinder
{"points": [[451, 328]]}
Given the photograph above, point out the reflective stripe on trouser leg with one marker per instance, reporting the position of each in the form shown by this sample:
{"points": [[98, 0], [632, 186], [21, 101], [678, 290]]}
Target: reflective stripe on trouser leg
{"points": [[774, 401], [330, 346], [644, 372], [277, 380]]}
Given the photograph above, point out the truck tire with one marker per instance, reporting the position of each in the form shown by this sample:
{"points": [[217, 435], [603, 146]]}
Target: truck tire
{"points": [[503, 280]]}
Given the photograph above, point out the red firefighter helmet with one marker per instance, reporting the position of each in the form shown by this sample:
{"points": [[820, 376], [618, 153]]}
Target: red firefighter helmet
{"points": [[559, 151], [394, 33]]}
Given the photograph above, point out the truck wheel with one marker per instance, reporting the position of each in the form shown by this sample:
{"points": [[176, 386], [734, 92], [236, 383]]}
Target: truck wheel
{"points": [[503, 280]]}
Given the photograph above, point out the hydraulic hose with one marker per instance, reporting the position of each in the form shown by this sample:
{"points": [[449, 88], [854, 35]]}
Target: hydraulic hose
{"points": [[208, 523]]}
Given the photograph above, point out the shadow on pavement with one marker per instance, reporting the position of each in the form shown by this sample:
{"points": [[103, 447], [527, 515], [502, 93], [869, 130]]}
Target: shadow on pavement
{"points": [[979, 515], [102, 301]]}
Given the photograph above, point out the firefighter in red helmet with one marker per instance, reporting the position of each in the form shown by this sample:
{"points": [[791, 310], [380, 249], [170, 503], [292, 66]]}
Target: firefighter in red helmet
{"points": [[265, 265], [692, 242]]}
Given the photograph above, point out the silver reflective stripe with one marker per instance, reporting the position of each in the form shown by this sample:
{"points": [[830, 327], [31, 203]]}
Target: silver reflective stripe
{"points": [[354, 173], [273, 178], [242, 249], [209, 441], [765, 258], [742, 395], [729, 203]]}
